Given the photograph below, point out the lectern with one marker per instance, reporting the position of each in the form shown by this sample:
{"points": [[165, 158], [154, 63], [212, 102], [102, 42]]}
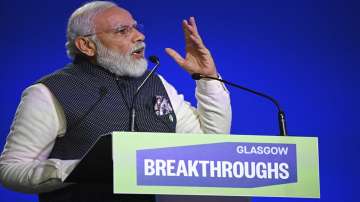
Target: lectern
{"points": [[199, 167]]}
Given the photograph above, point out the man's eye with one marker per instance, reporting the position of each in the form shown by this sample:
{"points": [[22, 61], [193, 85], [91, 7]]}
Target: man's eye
{"points": [[122, 30]]}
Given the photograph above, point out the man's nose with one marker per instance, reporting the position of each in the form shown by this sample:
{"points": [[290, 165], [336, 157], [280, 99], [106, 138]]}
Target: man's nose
{"points": [[138, 36]]}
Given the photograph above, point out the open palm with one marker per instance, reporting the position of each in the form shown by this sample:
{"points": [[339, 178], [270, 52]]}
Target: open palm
{"points": [[198, 58]]}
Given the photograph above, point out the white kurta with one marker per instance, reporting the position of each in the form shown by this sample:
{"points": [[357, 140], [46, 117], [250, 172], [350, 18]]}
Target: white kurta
{"points": [[39, 120]]}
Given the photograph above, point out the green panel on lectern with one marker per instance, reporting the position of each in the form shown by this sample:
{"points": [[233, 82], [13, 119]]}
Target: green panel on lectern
{"points": [[218, 165]]}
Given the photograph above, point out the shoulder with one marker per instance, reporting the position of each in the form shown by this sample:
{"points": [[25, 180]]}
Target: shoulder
{"points": [[38, 90], [58, 74]]}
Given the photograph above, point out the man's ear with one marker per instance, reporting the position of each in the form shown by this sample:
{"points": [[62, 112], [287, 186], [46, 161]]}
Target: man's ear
{"points": [[85, 46]]}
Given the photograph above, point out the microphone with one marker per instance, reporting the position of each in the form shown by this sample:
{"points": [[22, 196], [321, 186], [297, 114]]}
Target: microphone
{"points": [[281, 113], [156, 61]]}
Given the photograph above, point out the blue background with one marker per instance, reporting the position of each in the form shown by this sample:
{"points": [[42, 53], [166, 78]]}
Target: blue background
{"points": [[301, 52]]}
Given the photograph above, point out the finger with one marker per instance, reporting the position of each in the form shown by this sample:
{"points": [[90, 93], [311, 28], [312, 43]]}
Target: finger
{"points": [[197, 41], [186, 30], [192, 30], [194, 38], [193, 24], [175, 55]]}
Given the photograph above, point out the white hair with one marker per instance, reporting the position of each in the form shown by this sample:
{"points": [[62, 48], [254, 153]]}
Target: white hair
{"points": [[81, 23], [120, 64]]}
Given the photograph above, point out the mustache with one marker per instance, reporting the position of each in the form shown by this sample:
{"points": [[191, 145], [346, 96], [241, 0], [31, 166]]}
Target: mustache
{"points": [[138, 46]]}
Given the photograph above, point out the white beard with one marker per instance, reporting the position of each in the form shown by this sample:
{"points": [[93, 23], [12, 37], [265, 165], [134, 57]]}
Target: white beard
{"points": [[119, 64]]}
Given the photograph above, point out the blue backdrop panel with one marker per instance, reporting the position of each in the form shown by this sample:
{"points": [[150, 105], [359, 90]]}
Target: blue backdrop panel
{"points": [[301, 52]]}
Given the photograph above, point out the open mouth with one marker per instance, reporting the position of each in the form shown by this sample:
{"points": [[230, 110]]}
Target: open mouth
{"points": [[138, 52]]}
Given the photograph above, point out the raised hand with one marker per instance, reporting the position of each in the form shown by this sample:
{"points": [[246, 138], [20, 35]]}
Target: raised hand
{"points": [[198, 58]]}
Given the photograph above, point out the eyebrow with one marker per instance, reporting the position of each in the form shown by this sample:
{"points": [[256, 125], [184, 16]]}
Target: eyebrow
{"points": [[123, 25]]}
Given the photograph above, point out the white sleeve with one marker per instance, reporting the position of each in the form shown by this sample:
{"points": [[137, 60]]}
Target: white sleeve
{"points": [[24, 163], [213, 112]]}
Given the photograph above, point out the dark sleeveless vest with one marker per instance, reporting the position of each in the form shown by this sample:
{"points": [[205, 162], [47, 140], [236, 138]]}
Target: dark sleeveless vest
{"points": [[96, 102]]}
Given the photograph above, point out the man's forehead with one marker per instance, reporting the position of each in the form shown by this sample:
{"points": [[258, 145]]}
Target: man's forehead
{"points": [[113, 17]]}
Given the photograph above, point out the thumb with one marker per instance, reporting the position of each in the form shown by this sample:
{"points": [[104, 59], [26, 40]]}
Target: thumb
{"points": [[175, 55]]}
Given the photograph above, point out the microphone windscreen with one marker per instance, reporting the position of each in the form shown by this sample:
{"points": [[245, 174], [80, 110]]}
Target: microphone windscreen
{"points": [[154, 59]]}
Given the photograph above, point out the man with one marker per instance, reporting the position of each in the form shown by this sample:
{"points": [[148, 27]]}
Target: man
{"points": [[61, 116]]}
